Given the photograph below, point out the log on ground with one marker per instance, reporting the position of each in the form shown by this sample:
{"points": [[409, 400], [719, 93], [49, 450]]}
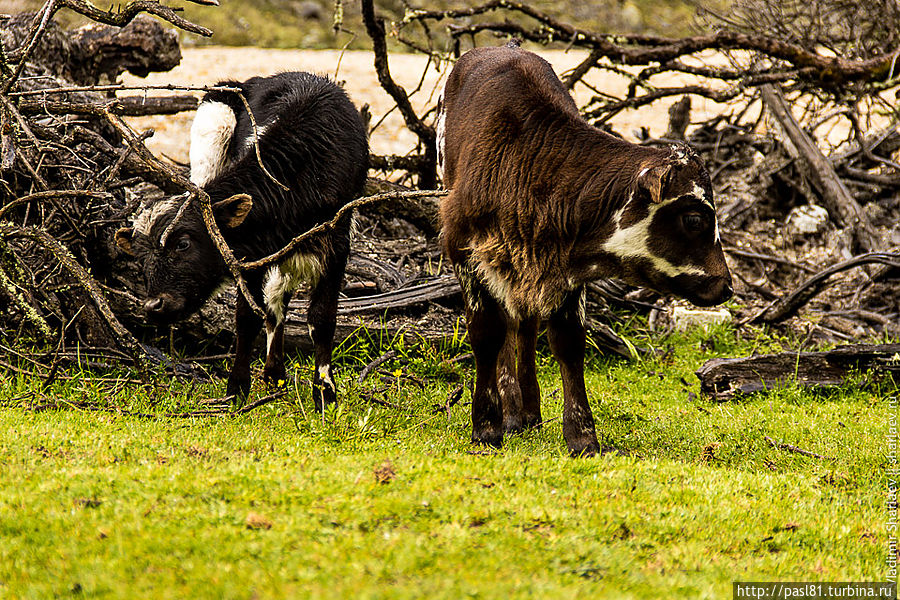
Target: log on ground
{"points": [[727, 378]]}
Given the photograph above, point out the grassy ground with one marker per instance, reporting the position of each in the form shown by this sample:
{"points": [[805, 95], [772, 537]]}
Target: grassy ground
{"points": [[374, 501]]}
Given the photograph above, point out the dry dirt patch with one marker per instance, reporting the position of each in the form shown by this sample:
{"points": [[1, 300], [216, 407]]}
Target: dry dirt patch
{"points": [[208, 65]]}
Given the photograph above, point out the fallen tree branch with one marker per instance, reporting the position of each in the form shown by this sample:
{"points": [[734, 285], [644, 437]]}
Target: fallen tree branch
{"points": [[826, 71], [727, 378], [786, 307], [818, 169], [118, 87], [9, 286], [122, 15], [41, 19], [135, 106], [83, 277]]}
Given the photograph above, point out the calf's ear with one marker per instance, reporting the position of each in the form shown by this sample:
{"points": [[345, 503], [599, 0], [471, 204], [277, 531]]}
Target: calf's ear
{"points": [[123, 240], [655, 180], [232, 211]]}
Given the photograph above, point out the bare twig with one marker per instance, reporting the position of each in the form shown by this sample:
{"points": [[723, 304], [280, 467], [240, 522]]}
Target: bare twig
{"points": [[794, 449], [375, 364], [41, 19], [260, 402], [122, 15], [426, 134], [341, 214], [452, 399], [768, 258]]}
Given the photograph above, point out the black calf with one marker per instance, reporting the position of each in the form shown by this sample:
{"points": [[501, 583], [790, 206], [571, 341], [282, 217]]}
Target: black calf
{"points": [[314, 152]]}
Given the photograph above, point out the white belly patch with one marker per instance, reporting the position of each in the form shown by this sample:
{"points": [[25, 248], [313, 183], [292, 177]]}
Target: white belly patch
{"points": [[287, 277]]}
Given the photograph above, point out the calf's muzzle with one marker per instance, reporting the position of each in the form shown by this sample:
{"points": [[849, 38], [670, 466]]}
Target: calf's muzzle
{"points": [[708, 291], [163, 308]]}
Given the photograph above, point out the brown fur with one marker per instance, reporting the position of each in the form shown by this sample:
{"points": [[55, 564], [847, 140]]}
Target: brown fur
{"points": [[541, 203]]}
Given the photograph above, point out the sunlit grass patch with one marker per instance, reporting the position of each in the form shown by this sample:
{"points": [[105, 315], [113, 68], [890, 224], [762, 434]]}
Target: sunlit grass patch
{"points": [[107, 493]]}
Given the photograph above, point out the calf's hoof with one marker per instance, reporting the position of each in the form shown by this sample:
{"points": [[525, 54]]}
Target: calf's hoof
{"points": [[238, 390], [488, 437], [274, 376], [584, 447]]}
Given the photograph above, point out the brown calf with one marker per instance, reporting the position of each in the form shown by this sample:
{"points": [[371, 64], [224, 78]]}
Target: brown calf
{"points": [[541, 203]]}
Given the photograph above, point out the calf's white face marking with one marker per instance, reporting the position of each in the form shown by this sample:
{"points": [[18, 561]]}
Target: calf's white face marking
{"points": [[148, 216], [680, 155], [700, 193], [211, 133], [631, 242]]}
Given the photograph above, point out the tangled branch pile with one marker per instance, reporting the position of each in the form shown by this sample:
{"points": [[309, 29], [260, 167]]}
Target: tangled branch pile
{"points": [[802, 149]]}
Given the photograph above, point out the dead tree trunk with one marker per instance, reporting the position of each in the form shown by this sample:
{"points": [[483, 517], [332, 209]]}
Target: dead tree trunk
{"points": [[727, 378], [818, 169]]}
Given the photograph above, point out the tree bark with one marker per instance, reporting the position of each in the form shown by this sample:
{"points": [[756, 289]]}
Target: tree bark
{"points": [[728, 378]]}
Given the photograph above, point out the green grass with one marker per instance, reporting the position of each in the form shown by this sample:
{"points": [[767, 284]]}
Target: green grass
{"points": [[372, 501]]}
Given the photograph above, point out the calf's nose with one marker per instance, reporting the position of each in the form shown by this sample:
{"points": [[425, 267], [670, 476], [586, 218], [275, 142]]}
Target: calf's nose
{"points": [[727, 291], [154, 305], [720, 291], [711, 291]]}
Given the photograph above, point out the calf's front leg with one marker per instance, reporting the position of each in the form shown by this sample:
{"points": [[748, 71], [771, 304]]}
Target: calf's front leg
{"points": [[567, 340], [246, 327], [486, 324], [274, 372]]}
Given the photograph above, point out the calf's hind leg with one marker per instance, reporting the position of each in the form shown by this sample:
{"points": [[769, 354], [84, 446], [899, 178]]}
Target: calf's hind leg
{"points": [[322, 314], [517, 376], [527, 372], [246, 326], [507, 382], [274, 371]]}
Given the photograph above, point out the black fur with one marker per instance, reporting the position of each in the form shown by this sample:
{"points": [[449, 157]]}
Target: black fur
{"points": [[312, 140]]}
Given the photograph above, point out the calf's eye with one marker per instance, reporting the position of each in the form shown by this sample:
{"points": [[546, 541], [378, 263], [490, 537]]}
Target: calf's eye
{"points": [[183, 244], [693, 222]]}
